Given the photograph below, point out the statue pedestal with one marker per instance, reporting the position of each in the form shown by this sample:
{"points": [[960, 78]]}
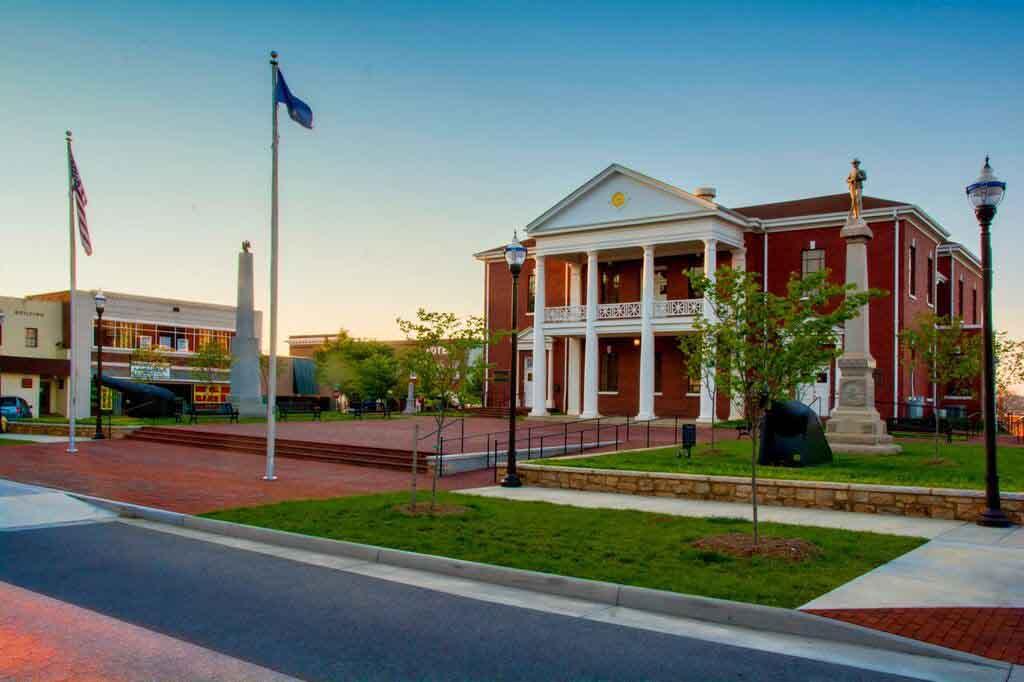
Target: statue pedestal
{"points": [[855, 425]]}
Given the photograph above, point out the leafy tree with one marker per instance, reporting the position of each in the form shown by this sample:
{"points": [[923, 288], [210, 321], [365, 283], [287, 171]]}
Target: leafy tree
{"points": [[377, 374], [774, 343], [440, 357], [950, 354], [211, 359], [334, 364], [1009, 356]]}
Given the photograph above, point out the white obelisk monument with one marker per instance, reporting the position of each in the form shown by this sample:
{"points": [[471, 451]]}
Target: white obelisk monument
{"points": [[855, 425], [245, 350]]}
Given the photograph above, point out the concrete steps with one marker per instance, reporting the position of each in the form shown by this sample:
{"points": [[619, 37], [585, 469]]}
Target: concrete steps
{"points": [[342, 453]]}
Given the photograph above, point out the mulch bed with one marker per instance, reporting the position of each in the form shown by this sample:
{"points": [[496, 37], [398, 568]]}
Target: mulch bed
{"points": [[742, 546], [423, 509]]}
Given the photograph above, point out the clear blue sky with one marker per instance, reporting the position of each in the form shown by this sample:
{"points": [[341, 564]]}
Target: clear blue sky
{"points": [[443, 126]]}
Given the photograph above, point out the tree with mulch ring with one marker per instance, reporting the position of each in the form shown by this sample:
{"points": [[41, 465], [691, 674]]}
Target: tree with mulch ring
{"points": [[743, 546]]}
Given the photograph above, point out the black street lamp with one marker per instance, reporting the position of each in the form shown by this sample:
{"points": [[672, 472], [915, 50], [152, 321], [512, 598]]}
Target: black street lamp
{"points": [[985, 194], [515, 256], [101, 303]]}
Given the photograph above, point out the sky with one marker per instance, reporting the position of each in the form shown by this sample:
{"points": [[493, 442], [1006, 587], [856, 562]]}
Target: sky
{"points": [[442, 127]]}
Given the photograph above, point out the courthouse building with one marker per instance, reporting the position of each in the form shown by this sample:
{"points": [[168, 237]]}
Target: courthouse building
{"points": [[610, 343]]}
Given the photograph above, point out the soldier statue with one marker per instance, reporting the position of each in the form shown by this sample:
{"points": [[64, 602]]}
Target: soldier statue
{"points": [[855, 181], [246, 245]]}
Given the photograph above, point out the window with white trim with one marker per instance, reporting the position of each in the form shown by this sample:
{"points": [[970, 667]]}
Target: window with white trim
{"points": [[913, 269], [812, 261], [931, 280]]}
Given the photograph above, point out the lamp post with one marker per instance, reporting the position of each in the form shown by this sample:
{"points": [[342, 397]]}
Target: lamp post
{"points": [[515, 256], [101, 303], [985, 194]]}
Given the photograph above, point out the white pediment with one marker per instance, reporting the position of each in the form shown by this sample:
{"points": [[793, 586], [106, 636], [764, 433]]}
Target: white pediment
{"points": [[618, 196]]}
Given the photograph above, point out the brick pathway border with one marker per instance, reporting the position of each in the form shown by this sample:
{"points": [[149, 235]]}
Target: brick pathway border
{"points": [[990, 631]]}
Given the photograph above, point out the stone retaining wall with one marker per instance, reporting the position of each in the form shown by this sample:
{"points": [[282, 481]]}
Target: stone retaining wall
{"points": [[82, 429], [939, 503]]}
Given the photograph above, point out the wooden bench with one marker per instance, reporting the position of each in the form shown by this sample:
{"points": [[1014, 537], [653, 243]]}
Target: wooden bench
{"points": [[360, 408], [743, 430], [195, 413], [285, 409]]}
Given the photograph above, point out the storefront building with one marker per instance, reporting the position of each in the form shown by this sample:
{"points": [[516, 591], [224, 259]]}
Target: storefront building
{"points": [[33, 355], [150, 340]]}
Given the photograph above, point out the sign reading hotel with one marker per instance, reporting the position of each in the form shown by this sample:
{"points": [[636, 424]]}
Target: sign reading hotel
{"points": [[150, 371]]}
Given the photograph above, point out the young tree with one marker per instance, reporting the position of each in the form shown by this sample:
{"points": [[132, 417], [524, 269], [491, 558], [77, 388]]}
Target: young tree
{"points": [[440, 358], [774, 343], [211, 359], [950, 355], [1009, 357]]}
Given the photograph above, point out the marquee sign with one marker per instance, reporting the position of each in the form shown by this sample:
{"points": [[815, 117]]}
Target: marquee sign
{"points": [[150, 371]]}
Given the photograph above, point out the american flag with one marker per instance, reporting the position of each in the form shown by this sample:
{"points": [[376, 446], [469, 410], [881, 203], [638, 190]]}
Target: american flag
{"points": [[80, 202]]}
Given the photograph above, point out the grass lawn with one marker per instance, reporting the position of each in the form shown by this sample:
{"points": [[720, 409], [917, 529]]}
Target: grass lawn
{"points": [[635, 548], [13, 441], [961, 465]]}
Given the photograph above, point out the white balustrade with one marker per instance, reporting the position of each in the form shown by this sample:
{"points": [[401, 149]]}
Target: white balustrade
{"points": [[618, 311], [681, 307], [566, 313]]}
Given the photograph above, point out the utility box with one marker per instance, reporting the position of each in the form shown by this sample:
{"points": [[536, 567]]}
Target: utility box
{"points": [[791, 436]]}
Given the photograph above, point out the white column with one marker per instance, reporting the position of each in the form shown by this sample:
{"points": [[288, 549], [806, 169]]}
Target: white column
{"points": [[646, 401], [572, 395], [707, 402], [540, 371], [739, 262], [590, 368], [572, 388]]}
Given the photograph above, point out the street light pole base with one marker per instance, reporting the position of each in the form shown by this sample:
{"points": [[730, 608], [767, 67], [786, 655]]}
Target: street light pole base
{"points": [[511, 481], [99, 436], [993, 518], [270, 478]]}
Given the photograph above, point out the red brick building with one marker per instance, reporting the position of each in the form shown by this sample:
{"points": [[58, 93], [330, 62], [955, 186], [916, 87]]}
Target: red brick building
{"points": [[610, 343]]}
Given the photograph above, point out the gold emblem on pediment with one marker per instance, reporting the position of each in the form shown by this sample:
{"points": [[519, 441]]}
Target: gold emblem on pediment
{"points": [[618, 199]]}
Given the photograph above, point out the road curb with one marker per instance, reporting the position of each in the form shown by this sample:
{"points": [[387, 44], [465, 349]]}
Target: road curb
{"points": [[707, 609]]}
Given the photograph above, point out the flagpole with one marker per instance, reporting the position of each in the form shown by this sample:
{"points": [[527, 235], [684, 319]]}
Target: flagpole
{"points": [[272, 365], [72, 384]]}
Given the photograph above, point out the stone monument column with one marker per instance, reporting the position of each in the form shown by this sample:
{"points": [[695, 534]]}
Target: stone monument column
{"points": [[855, 425], [245, 352]]}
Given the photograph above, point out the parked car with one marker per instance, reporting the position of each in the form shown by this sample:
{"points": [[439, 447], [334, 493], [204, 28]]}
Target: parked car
{"points": [[14, 407]]}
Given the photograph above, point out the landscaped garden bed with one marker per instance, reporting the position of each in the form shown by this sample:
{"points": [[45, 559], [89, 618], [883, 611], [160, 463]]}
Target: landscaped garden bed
{"points": [[960, 465], [913, 483], [628, 547]]}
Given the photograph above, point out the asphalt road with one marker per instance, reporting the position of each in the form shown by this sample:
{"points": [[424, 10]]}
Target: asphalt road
{"points": [[318, 623]]}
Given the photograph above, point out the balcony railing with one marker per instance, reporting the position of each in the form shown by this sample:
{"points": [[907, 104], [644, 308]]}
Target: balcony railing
{"points": [[683, 307], [566, 313]]}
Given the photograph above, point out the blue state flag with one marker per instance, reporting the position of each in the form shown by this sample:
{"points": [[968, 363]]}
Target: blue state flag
{"points": [[297, 109]]}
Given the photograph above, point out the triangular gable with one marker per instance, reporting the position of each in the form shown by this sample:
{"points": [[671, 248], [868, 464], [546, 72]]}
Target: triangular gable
{"points": [[618, 195]]}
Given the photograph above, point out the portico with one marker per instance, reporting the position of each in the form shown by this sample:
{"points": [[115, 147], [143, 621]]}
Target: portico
{"points": [[626, 245]]}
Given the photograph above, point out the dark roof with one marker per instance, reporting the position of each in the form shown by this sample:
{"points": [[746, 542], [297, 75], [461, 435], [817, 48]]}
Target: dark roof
{"points": [[832, 203]]}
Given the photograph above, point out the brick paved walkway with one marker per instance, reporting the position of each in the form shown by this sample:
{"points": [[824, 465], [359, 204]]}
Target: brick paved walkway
{"points": [[192, 481], [993, 632], [46, 640]]}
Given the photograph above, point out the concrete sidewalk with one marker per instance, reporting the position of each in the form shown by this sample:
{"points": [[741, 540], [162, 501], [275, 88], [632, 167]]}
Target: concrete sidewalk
{"points": [[962, 589], [876, 523]]}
